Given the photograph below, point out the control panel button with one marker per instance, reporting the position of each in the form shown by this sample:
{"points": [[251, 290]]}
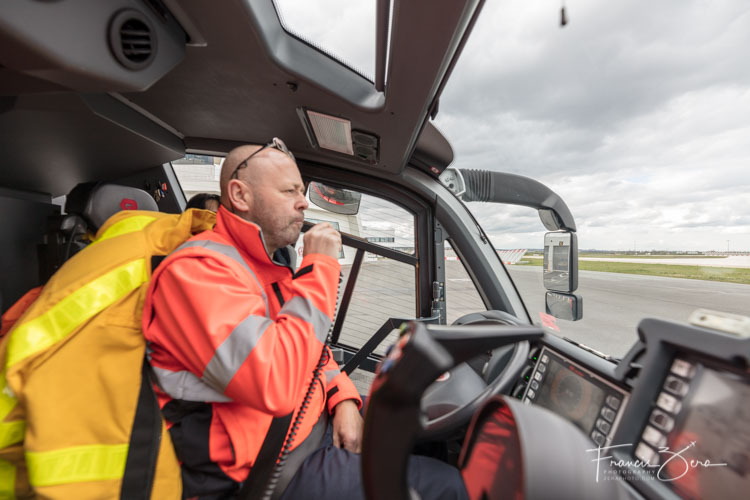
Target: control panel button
{"points": [[669, 403], [661, 420], [603, 425], [683, 368], [526, 373], [676, 386], [541, 368], [608, 414], [613, 402], [518, 391], [538, 376], [531, 394], [545, 358], [654, 437], [598, 437], [535, 385], [646, 454], [526, 401], [534, 354]]}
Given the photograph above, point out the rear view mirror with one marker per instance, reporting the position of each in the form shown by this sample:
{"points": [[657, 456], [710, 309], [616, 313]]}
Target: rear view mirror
{"points": [[560, 271], [336, 200], [568, 306]]}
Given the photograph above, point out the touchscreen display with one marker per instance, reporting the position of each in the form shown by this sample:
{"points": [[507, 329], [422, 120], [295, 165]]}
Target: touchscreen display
{"points": [[567, 392], [712, 437]]}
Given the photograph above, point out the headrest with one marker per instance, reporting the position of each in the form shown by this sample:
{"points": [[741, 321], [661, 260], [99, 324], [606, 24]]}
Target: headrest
{"points": [[97, 202]]}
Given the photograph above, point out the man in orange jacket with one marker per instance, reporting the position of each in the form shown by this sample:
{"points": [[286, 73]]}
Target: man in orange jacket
{"points": [[235, 336]]}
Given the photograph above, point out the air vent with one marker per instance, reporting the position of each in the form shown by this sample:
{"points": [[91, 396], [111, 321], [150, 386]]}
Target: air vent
{"points": [[132, 39]]}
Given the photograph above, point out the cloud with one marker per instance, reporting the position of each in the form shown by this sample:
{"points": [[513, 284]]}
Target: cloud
{"points": [[636, 114]]}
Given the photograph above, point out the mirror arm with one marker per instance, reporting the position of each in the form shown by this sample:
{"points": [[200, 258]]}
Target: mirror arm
{"points": [[502, 187]]}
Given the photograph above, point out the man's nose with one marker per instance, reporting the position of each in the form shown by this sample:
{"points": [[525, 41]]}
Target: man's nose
{"points": [[302, 203]]}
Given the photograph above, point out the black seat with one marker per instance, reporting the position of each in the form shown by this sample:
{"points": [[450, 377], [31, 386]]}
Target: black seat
{"points": [[87, 207]]}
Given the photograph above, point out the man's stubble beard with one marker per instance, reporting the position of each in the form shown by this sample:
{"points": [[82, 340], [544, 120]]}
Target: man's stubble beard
{"points": [[278, 231]]}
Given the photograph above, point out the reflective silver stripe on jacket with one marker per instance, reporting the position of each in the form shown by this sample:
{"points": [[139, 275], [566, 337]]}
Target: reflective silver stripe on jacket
{"points": [[227, 251], [304, 309], [235, 349], [330, 375], [185, 385]]}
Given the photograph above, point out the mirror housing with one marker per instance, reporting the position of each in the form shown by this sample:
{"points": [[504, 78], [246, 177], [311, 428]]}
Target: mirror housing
{"points": [[567, 306], [560, 271]]}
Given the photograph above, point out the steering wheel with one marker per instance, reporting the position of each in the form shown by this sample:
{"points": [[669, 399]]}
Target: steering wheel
{"points": [[453, 398]]}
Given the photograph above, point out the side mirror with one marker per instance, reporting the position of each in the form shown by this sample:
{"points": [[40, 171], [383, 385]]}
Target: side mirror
{"points": [[560, 272], [337, 200], [560, 276], [568, 306]]}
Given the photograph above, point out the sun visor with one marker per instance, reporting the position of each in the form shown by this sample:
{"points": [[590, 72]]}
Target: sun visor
{"points": [[433, 152]]}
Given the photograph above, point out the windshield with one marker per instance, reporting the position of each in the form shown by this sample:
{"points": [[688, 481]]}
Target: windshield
{"points": [[636, 115]]}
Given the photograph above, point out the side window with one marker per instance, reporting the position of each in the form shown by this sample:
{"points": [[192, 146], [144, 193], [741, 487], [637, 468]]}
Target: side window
{"points": [[198, 174], [384, 286], [461, 296]]}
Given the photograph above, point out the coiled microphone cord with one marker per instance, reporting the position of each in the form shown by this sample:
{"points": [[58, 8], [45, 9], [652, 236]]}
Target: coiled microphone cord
{"points": [[324, 357]]}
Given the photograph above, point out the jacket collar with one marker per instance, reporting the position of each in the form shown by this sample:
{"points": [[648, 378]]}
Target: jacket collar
{"points": [[247, 237]]}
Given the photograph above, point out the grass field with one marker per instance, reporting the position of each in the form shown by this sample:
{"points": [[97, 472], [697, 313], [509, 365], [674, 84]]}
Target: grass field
{"points": [[626, 256], [630, 256], [726, 274]]}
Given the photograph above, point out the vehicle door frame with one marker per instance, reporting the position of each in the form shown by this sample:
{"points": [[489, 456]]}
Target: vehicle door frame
{"points": [[433, 206]]}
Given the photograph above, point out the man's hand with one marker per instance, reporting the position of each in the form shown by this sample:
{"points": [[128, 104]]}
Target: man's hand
{"points": [[347, 426], [322, 238]]}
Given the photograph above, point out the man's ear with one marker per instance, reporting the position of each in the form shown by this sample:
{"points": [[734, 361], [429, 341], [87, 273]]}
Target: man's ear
{"points": [[240, 195]]}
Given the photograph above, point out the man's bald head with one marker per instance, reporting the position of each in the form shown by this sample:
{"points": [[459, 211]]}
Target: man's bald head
{"points": [[231, 162]]}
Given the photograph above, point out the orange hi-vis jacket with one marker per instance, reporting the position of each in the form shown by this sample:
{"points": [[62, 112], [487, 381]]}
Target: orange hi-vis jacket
{"points": [[234, 339]]}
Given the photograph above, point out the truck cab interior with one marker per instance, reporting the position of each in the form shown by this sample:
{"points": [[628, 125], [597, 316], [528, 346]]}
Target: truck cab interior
{"points": [[111, 92]]}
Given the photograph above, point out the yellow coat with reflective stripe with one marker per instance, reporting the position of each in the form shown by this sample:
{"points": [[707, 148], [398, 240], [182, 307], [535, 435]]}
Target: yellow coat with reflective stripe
{"points": [[71, 367]]}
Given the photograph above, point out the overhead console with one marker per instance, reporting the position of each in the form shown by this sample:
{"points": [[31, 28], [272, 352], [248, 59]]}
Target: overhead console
{"points": [[87, 45]]}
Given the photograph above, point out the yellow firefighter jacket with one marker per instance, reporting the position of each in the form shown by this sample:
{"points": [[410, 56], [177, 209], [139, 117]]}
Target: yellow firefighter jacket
{"points": [[72, 369]]}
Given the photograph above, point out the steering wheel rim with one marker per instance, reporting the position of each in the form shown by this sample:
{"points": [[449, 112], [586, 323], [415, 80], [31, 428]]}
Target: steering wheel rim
{"points": [[444, 425]]}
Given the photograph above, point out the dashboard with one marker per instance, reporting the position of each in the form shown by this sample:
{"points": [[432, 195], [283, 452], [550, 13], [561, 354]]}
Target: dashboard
{"points": [[671, 420], [672, 417]]}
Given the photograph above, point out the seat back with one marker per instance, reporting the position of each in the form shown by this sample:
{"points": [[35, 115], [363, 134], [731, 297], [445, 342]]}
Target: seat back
{"points": [[87, 207], [97, 202]]}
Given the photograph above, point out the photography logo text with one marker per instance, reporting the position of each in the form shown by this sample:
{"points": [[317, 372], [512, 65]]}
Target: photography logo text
{"points": [[673, 462]]}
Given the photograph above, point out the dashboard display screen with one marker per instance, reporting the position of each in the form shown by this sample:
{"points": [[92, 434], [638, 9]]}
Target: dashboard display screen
{"points": [[712, 436], [567, 392], [571, 391]]}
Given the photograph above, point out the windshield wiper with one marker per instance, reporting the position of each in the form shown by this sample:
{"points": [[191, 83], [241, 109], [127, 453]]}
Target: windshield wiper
{"points": [[606, 357]]}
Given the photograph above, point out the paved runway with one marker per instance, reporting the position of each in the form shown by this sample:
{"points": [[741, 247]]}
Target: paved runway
{"points": [[613, 303], [736, 261]]}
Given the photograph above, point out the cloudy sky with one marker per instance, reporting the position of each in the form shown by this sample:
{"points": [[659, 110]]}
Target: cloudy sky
{"points": [[637, 113]]}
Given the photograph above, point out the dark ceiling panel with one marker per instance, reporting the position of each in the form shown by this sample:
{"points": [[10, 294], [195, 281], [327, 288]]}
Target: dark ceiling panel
{"points": [[55, 141], [235, 87]]}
